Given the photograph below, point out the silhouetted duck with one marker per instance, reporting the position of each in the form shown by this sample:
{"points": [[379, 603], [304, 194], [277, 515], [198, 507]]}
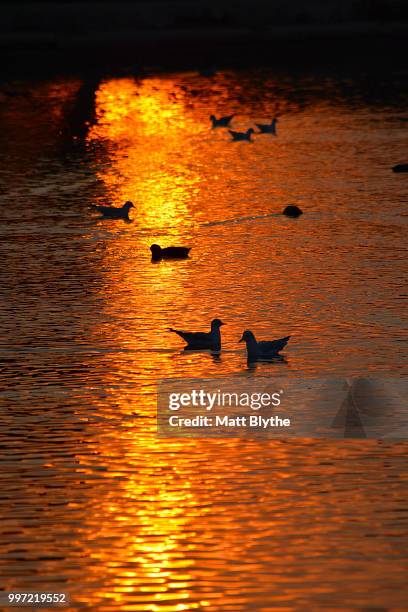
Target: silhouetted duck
{"points": [[202, 340], [400, 168], [264, 349], [111, 212], [267, 128], [292, 211], [222, 121], [237, 136], [173, 252]]}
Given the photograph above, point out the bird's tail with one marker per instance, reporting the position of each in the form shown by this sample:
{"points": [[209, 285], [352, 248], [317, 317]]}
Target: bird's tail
{"points": [[177, 331]]}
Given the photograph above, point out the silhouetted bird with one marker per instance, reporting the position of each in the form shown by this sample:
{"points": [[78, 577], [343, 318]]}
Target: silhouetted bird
{"points": [[222, 121], [173, 252], [400, 168], [292, 211], [264, 349], [202, 340], [236, 136], [267, 128], [111, 212]]}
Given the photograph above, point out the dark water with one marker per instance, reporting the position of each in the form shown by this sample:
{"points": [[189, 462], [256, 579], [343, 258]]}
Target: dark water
{"points": [[91, 501]]}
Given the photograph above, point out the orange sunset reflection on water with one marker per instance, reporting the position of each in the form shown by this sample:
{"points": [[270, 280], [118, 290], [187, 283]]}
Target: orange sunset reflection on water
{"points": [[183, 541], [133, 522], [151, 564], [249, 265], [145, 130]]}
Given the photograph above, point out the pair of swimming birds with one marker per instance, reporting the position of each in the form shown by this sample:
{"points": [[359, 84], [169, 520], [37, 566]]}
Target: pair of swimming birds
{"points": [[212, 341]]}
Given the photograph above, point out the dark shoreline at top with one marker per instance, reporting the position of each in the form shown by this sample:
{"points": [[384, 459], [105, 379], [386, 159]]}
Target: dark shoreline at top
{"points": [[337, 47]]}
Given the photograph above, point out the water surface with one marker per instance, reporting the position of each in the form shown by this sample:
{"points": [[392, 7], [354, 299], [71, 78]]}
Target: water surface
{"points": [[91, 501]]}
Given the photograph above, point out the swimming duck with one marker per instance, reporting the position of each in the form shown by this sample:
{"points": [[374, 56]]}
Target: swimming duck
{"points": [[202, 340], [262, 350], [400, 168], [222, 121], [236, 136], [292, 211], [267, 128], [111, 212], [173, 252]]}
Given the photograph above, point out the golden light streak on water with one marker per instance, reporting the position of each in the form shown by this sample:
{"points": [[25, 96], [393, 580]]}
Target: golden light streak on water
{"points": [[145, 129], [91, 498]]}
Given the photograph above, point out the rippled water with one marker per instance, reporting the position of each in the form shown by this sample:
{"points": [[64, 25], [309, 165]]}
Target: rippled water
{"points": [[91, 501]]}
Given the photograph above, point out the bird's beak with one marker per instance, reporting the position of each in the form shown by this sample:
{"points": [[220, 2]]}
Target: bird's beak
{"points": [[242, 340], [222, 323]]}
